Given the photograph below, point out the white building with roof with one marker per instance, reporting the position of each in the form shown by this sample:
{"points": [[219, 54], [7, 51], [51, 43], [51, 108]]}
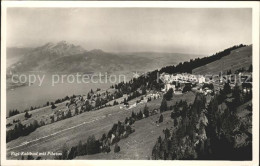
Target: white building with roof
{"points": [[201, 79], [193, 78], [169, 86]]}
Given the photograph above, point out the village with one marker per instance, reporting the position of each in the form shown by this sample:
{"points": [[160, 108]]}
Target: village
{"points": [[206, 84]]}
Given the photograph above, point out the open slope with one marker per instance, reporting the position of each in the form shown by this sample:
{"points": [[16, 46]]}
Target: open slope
{"points": [[241, 57], [70, 131], [139, 145]]}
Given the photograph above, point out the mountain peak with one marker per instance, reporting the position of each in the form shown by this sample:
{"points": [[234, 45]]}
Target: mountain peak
{"points": [[64, 43], [62, 47]]}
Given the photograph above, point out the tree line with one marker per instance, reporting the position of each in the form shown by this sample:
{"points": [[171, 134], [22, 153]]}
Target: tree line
{"points": [[21, 130], [206, 131]]}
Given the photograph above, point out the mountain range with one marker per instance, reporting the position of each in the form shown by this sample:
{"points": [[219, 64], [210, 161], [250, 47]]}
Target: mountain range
{"points": [[69, 58]]}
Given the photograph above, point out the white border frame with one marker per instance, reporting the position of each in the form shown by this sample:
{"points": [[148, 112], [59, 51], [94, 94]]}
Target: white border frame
{"points": [[138, 4]]}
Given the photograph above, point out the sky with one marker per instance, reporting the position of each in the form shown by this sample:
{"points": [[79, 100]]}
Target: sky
{"points": [[179, 30]]}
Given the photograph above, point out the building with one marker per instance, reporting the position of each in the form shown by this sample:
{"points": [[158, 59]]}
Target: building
{"points": [[247, 87], [201, 79], [165, 77], [168, 86], [193, 78], [174, 78]]}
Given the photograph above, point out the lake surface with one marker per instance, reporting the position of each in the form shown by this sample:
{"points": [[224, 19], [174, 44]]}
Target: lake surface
{"points": [[24, 97]]}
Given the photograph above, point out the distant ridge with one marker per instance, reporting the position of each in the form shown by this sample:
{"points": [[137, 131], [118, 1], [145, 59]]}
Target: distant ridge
{"points": [[69, 58]]}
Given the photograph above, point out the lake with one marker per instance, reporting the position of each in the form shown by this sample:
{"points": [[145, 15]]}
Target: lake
{"points": [[24, 97]]}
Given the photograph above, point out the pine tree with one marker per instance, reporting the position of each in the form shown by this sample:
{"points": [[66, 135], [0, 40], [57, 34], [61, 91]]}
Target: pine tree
{"points": [[163, 106], [146, 112], [80, 149], [250, 69], [161, 118], [64, 152], [92, 145], [53, 105], [140, 115], [175, 122], [167, 133], [27, 115], [69, 114], [76, 111], [133, 115], [115, 103], [236, 94], [98, 103], [227, 88], [168, 95], [117, 148], [30, 157]]}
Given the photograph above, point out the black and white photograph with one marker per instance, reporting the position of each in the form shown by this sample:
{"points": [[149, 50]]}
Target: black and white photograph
{"points": [[148, 82]]}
